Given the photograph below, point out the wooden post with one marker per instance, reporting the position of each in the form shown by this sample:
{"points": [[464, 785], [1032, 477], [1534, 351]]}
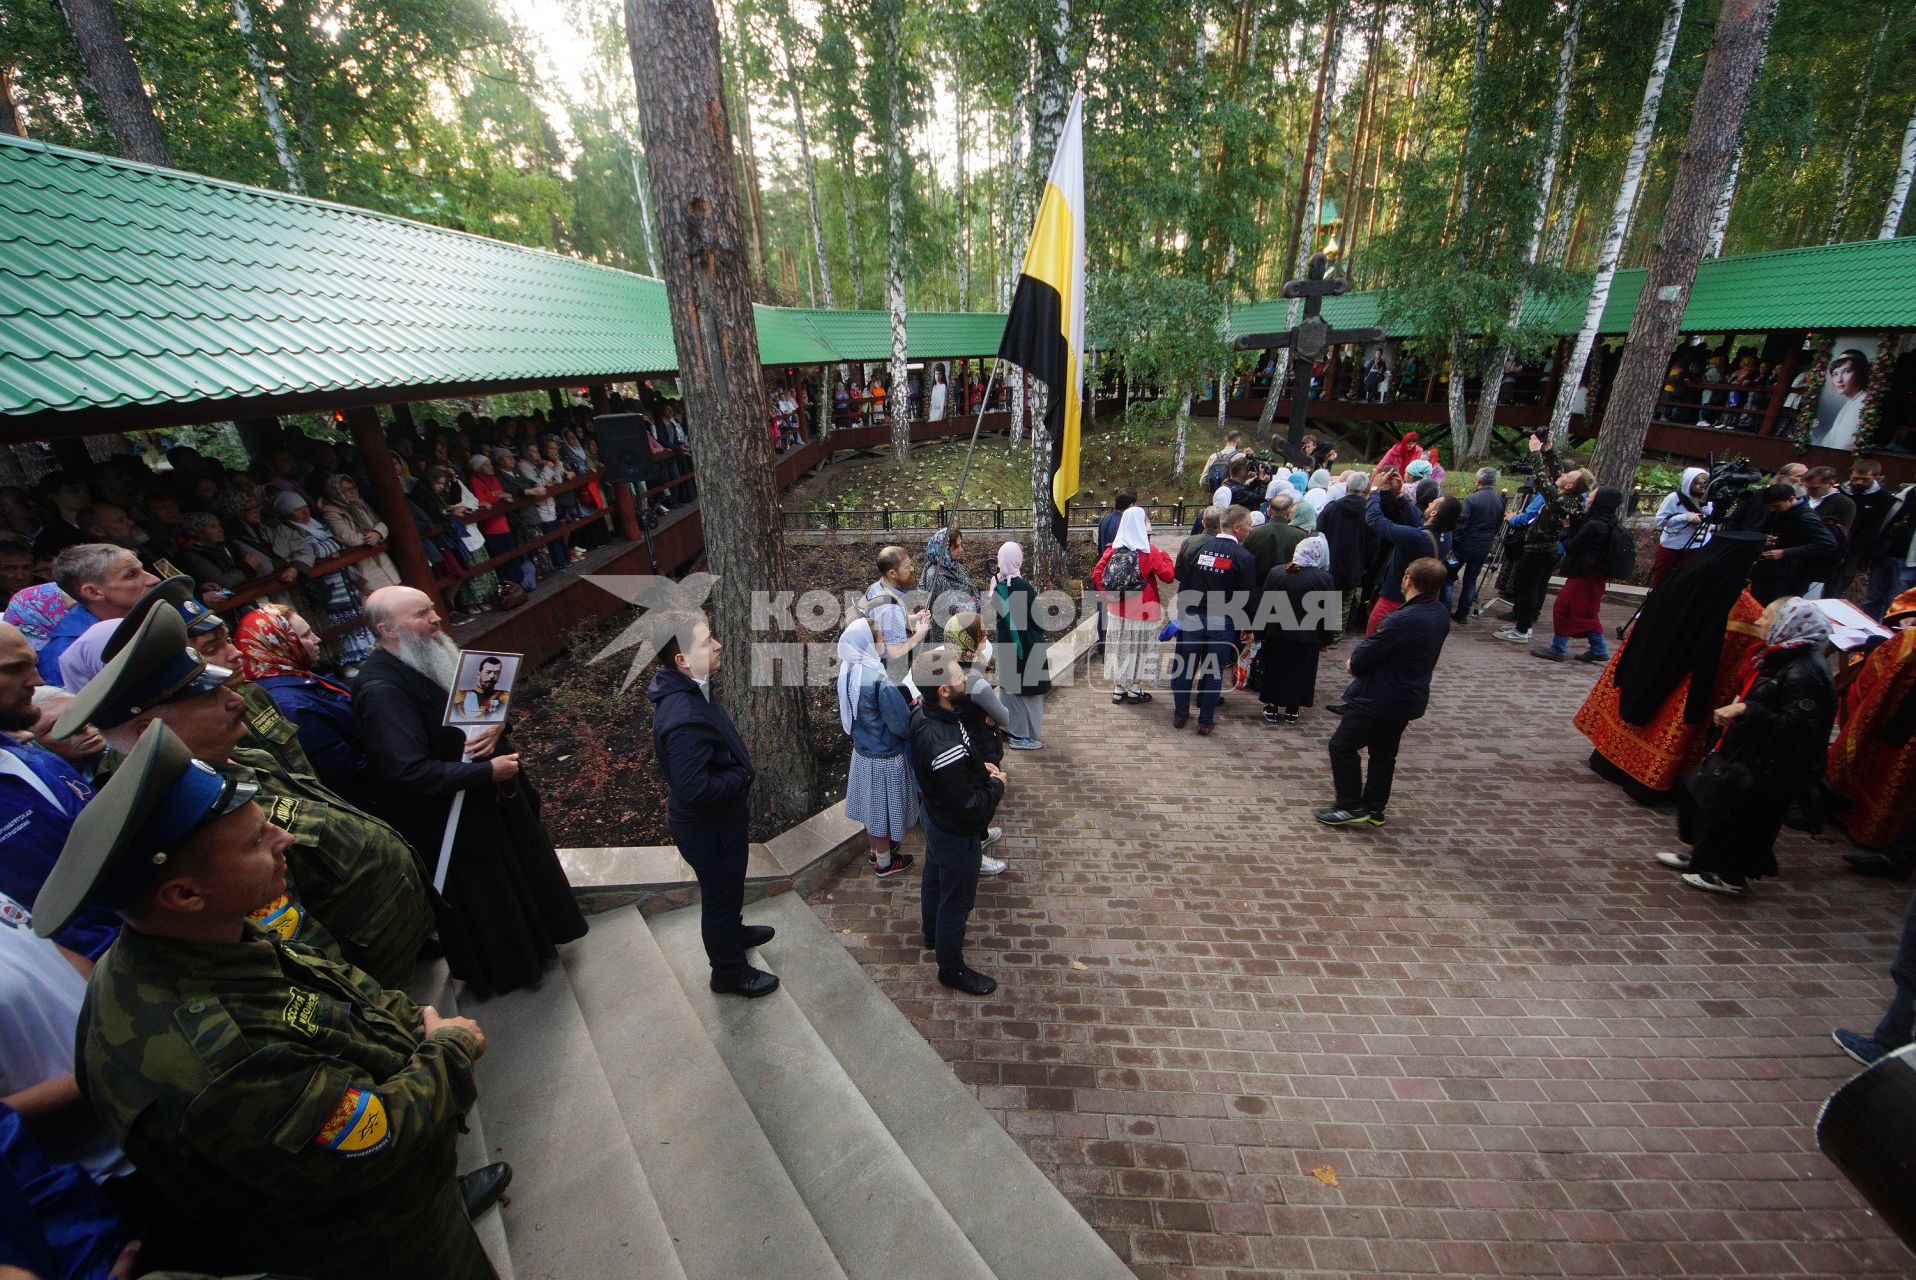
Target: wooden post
{"points": [[553, 398], [1785, 374], [1330, 376], [402, 415], [407, 549], [601, 402], [626, 507]]}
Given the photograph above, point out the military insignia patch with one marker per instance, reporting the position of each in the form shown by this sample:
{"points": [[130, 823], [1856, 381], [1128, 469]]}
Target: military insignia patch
{"points": [[281, 915], [357, 1126], [284, 813], [300, 1008]]}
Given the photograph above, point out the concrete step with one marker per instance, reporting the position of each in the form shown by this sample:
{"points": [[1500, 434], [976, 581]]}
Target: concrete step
{"points": [[432, 985], [727, 1201], [581, 1206], [880, 1218], [1018, 1221]]}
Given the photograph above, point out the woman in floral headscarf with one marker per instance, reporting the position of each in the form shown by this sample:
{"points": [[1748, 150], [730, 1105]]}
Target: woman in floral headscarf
{"points": [[278, 650], [946, 584], [37, 610], [1775, 737]]}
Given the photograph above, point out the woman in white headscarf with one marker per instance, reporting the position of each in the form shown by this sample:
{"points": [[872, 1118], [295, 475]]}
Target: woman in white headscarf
{"points": [[1303, 607], [881, 794], [1022, 660], [1772, 755], [1319, 490], [1128, 574], [1680, 527], [301, 538]]}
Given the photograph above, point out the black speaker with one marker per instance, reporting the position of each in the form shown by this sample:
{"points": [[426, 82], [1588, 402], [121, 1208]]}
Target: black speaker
{"points": [[1868, 1130], [625, 445]]}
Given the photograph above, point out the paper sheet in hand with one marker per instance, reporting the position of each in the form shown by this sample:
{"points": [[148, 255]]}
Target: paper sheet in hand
{"points": [[1850, 627]]}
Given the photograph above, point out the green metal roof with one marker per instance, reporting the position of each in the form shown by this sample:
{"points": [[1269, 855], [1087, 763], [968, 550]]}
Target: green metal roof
{"points": [[123, 285]]}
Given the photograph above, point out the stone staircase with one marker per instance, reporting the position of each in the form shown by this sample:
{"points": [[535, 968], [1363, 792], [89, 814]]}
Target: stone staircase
{"points": [[658, 1130]]}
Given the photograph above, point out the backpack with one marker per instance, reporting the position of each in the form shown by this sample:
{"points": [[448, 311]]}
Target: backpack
{"points": [[1620, 557], [1121, 571]]}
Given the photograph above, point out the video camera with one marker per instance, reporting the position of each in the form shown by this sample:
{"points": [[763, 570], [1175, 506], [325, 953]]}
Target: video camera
{"points": [[1735, 492]]}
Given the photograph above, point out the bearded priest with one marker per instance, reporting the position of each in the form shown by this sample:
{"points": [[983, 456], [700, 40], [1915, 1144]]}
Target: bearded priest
{"points": [[506, 905]]}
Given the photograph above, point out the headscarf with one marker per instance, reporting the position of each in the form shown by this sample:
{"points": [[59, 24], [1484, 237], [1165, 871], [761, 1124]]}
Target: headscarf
{"points": [[83, 658], [476, 461], [938, 550], [37, 610], [1320, 479], [233, 503], [1134, 531], [1690, 476], [1605, 503], [1418, 469], [355, 508], [1312, 553], [1797, 625], [285, 502], [1011, 562], [958, 634], [1300, 482], [1680, 631], [858, 663], [1304, 516], [194, 524], [1901, 607], [267, 645]]}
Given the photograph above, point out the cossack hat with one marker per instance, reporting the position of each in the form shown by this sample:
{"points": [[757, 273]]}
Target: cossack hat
{"points": [[151, 668]]}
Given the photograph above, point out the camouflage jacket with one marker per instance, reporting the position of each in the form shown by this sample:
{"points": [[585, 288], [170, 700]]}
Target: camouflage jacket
{"points": [[287, 1108], [355, 873], [268, 729]]}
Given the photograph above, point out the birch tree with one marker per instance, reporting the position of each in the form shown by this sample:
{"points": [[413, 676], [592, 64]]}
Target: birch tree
{"points": [[785, 32], [890, 71], [1899, 190], [268, 98], [1620, 211], [1546, 182], [1848, 170], [1467, 157]]}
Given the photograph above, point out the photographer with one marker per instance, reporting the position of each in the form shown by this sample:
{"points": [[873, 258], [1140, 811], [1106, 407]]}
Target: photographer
{"points": [[1681, 527], [1543, 537], [1796, 542]]}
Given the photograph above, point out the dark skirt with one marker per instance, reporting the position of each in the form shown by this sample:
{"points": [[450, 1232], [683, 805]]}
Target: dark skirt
{"points": [[1735, 837], [507, 904], [1576, 610], [1290, 672]]}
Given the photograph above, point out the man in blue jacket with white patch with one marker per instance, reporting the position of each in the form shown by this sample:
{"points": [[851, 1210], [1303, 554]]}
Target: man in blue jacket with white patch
{"points": [[708, 774]]}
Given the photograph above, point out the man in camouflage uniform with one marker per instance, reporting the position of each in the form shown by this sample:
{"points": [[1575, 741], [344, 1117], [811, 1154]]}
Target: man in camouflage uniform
{"points": [[357, 876], [291, 1114]]}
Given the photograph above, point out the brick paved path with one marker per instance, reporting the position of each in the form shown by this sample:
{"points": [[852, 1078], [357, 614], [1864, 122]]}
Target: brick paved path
{"points": [[1522, 1047]]}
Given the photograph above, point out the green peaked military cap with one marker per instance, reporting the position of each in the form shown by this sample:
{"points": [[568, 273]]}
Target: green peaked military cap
{"points": [[120, 843], [150, 669], [176, 591]]}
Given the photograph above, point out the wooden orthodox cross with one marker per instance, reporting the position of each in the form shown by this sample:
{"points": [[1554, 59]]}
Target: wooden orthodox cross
{"points": [[1310, 339]]}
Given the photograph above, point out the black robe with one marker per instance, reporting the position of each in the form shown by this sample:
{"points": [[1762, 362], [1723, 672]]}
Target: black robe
{"points": [[507, 904]]}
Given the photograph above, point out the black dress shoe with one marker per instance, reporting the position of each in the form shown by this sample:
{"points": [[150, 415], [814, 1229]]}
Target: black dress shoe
{"points": [[1877, 864], [756, 935], [969, 981], [1336, 708], [484, 1187], [751, 984]]}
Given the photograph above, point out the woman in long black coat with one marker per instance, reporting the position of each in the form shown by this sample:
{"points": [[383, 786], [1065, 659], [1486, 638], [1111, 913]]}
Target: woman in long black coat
{"points": [[1296, 634], [1775, 740]]}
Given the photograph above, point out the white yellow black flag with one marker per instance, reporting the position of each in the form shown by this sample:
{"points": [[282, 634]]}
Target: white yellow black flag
{"points": [[1044, 334]]}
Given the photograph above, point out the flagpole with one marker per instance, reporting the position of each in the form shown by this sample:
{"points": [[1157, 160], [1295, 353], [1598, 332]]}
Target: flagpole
{"points": [[983, 404]]}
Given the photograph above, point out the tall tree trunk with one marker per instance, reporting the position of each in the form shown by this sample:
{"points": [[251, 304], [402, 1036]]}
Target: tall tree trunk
{"points": [[964, 210], [1181, 444], [748, 153], [116, 80], [10, 123], [896, 400], [1467, 157], [674, 47], [646, 230], [1019, 382], [847, 170], [805, 155], [1726, 198], [1545, 185], [1855, 131], [1046, 560], [1619, 219], [1557, 251], [1721, 96], [1307, 201], [268, 98], [1899, 190]]}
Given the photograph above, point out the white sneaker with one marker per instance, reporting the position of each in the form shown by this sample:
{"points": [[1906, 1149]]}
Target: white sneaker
{"points": [[1709, 882], [1680, 861], [1514, 636], [990, 866], [992, 836]]}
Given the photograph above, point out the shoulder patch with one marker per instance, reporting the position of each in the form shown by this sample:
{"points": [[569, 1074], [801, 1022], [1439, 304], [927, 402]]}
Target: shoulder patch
{"points": [[357, 1126], [281, 916], [283, 812], [299, 1011]]}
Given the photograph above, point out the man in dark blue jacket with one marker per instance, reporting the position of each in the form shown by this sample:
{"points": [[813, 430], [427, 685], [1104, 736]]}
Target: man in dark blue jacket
{"points": [[1217, 596], [708, 773], [1392, 688], [1399, 525], [1476, 537], [961, 790]]}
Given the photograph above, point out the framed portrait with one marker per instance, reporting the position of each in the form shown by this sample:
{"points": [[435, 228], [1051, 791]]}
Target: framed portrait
{"points": [[482, 691], [1839, 401]]}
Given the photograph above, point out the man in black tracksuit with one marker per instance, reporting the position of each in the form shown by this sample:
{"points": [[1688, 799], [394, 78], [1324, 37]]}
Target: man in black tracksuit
{"points": [[961, 790], [1392, 688], [1217, 596]]}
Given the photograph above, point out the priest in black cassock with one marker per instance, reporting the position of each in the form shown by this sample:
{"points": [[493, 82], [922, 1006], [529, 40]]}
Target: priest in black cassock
{"points": [[507, 905]]}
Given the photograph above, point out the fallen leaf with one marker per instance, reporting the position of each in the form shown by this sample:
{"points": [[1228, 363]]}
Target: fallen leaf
{"points": [[844, 930], [1079, 965], [1325, 1175]]}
